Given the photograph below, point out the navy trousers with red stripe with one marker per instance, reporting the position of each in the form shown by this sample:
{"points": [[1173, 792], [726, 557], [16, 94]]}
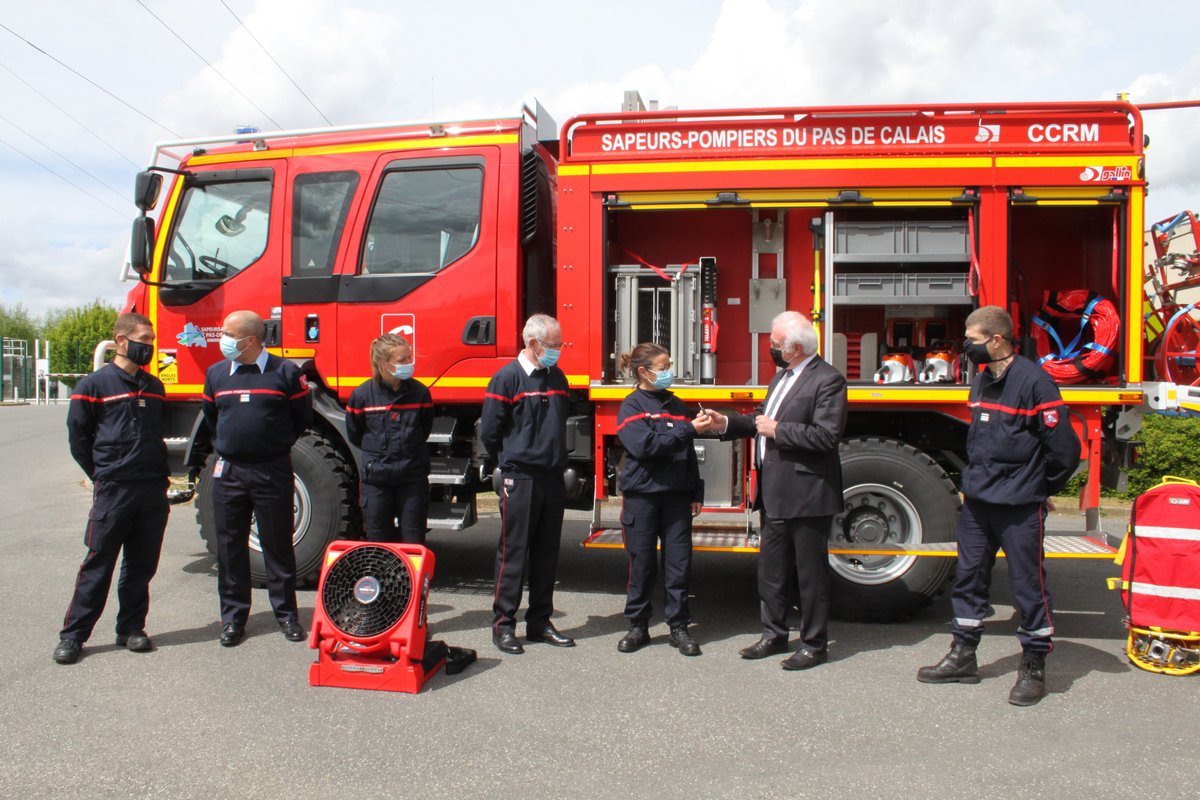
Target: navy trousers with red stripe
{"points": [[984, 528], [383, 505], [645, 518], [530, 533], [127, 519], [264, 489]]}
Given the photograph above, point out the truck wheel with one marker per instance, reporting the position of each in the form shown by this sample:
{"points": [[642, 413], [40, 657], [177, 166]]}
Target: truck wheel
{"points": [[323, 508], [895, 495]]}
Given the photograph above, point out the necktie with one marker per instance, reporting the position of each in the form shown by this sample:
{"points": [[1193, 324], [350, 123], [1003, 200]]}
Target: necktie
{"points": [[247, 369], [773, 403]]}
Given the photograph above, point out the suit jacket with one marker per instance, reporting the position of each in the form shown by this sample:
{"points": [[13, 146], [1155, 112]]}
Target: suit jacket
{"points": [[801, 474]]}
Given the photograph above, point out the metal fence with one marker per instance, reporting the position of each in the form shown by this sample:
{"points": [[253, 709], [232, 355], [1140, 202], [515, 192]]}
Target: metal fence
{"points": [[18, 371]]}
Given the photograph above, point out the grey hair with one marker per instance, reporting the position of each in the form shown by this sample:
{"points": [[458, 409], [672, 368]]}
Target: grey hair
{"points": [[538, 327], [798, 331]]}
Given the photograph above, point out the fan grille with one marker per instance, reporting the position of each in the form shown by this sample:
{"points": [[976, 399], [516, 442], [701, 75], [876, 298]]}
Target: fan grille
{"points": [[367, 591]]}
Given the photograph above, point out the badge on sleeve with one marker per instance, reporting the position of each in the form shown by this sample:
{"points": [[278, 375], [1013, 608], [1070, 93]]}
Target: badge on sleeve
{"points": [[303, 381], [219, 468], [1050, 417]]}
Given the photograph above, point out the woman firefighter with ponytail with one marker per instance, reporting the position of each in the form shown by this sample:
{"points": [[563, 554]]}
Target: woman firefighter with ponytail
{"points": [[662, 491], [390, 417]]}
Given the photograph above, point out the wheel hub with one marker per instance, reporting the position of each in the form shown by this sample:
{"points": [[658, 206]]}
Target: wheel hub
{"points": [[873, 515]]}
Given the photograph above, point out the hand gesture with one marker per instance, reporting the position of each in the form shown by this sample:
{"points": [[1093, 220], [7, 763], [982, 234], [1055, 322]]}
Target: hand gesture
{"points": [[703, 422], [717, 420], [765, 426]]}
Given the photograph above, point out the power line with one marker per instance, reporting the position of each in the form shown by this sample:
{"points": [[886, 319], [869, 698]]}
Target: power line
{"points": [[123, 214], [185, 43], [68, 114], [64, 158], [277, 64], [92, 82]]}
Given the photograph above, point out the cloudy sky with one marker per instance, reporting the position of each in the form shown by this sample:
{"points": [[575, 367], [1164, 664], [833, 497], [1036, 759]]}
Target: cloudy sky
{"points": [[72, 137]]}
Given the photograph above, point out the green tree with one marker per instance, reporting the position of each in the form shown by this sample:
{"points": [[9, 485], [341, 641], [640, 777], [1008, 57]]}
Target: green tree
{"points": [[74, 333], [17, 323]]}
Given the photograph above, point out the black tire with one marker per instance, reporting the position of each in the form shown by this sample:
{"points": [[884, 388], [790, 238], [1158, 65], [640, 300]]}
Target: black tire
{"points": [[897, 495], [324, 507]]}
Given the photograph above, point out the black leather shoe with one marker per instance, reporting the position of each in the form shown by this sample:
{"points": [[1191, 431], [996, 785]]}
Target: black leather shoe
{"points": [[68, 651], [805, 659], [549, 635], [766, 646], [683, 641], [507, 642], [293, 631], [137, 642], [232, 634], [637, 638]]}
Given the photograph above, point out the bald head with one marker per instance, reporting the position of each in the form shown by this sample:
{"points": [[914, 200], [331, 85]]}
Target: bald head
{"points": [[248, 328], [245, 323]]}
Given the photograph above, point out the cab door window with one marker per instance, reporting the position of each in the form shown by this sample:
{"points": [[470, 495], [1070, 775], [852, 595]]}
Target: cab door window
{"points": [[221, 228], [320, 204], [423, 220]]}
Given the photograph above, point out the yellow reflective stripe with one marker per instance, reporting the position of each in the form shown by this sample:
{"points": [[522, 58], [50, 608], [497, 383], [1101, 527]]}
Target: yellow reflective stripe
{"points": [[184, 388], [1098, 160], [770, 165], [573, 169], [741, 394], [910, 394], [427, 143]]}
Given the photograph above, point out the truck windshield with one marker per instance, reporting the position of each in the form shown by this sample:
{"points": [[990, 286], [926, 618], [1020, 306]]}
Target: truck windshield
{"points": [[221, 229]]}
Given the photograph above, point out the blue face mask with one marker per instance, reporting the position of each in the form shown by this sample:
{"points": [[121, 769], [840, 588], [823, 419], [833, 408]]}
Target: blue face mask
{"points": [[664, 379], [229, 347], [549, 357], [403, 371]]}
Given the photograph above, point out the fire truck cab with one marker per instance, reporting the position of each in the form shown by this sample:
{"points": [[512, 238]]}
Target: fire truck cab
{"points": [[886, 225]]}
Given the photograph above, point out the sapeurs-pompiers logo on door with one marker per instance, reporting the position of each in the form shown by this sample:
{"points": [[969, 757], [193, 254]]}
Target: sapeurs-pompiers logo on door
{"points": [[402, 325]]}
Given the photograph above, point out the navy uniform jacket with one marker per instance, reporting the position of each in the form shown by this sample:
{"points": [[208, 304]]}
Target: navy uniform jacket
{"points": [[256, 417], [1021, 447], [523, 423], [657, 433], [115, 425], [391, 428]]}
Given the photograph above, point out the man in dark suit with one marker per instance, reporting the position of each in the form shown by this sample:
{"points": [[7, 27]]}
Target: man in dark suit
{"points": [[796, 434]]}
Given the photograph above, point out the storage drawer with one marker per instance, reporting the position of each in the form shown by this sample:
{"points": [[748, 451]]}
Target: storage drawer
{"points": [[868, 287], [939, 240], [928, 238], [936, 286]]}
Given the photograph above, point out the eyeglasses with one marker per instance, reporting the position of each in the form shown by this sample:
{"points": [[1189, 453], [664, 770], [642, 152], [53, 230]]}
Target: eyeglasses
{"points": [[550, 345]]}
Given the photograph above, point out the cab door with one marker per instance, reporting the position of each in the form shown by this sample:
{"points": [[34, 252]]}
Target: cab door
{"points": [[222, 253], [423, 264]]}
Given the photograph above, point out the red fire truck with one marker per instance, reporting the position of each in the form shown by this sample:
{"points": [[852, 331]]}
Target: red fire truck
{"points": [[886, 224]]}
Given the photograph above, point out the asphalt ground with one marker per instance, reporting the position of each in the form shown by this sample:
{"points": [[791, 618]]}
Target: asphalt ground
{"points": [[195, 720]]}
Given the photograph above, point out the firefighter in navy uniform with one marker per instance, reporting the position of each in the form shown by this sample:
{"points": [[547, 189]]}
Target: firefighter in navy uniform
{"points": [[256, 405], [389, 417], [661, 492], [115, 430], [523, 425], [1021, 450]]}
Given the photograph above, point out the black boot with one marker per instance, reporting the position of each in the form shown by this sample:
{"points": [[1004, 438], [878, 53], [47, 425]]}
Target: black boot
{"points": [[1031, 680], [637, 637], [957, 666], [681, 639]]}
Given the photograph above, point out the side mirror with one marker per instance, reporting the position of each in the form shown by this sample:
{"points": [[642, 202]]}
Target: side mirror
{"points": [[141, 245], [145, 190]]}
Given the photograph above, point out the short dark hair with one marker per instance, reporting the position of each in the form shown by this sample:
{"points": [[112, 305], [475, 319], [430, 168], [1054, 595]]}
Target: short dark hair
{"points": [[129, 322], [991, 320]]}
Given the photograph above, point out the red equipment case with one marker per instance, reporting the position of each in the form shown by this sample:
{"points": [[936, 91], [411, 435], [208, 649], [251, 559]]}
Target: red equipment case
{"points": [[1160, 578]]}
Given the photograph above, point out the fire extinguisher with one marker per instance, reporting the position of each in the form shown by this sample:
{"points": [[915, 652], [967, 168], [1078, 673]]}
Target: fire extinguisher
{"points": [[708, 320]]}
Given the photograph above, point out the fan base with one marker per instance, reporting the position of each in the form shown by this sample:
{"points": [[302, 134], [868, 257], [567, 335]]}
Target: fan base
{"points": [[381, 674]]}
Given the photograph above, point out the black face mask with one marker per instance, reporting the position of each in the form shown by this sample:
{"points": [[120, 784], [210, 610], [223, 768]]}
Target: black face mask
{"points": [[139, 353], [978, 352], [777, 357]]}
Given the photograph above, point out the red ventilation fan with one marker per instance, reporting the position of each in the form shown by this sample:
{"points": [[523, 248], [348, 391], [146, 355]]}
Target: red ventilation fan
{"points": [[369, 626]]}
